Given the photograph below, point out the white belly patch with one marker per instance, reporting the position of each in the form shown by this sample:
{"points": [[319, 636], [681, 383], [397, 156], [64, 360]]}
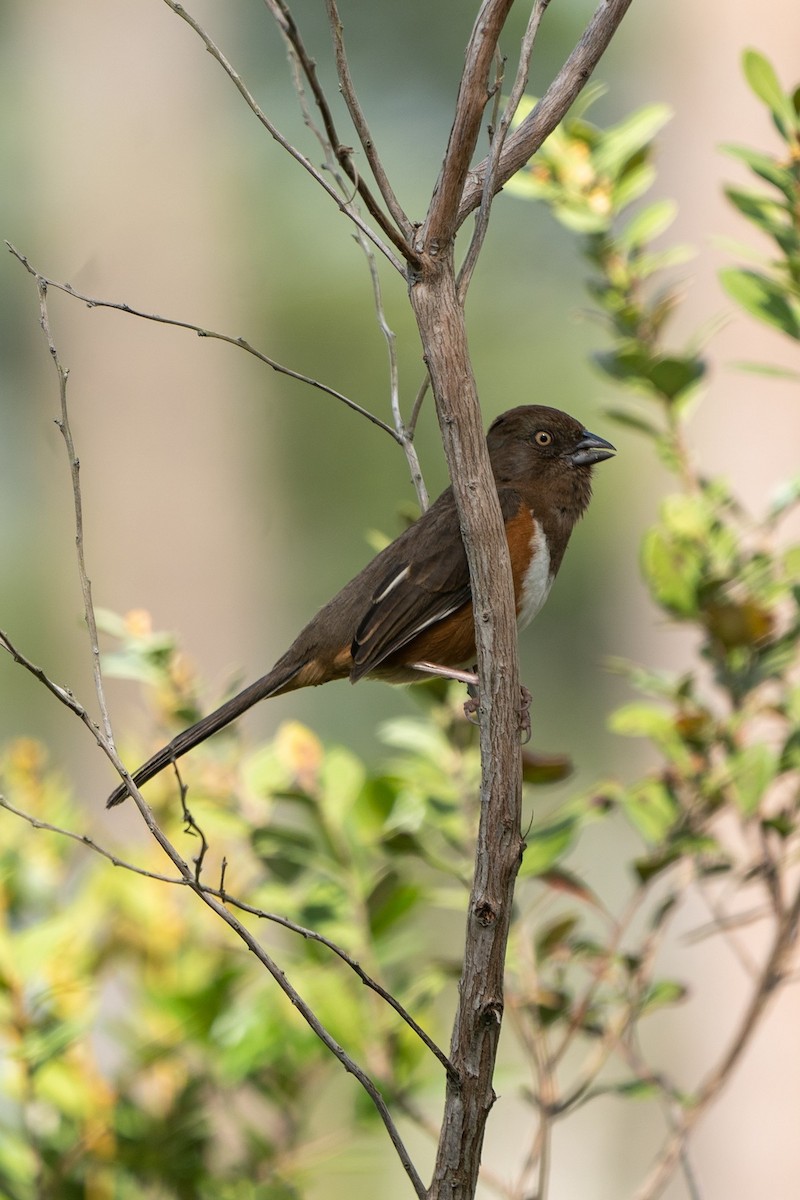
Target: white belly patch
{"points": [[537, 580]]}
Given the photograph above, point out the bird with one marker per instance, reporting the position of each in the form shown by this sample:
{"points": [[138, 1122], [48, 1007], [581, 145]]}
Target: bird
{"points": [[408, 614]]}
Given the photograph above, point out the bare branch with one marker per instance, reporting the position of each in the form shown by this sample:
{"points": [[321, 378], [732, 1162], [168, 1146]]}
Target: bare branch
{"points": [[75, 467], [222, 894], [498, 141], [89, 842], [240, 342], [551, 109], [214, 900], [773, 974], [405, 434], [343, 154], [342, 204], [361, 127], [473, 95], [422, 392], [62, 694]]}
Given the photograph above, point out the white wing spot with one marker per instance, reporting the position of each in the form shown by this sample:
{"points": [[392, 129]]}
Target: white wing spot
{"points": [[401, 575]]}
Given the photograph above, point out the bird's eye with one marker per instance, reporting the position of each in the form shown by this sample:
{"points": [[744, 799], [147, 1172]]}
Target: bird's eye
{"points": [[543, 438]]}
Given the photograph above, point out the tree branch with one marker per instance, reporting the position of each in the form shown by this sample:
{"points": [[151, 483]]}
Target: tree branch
{"points": [[362, 129], [222, 894], [498, 141], [343, 154], [240, 342], [773, 974], [342, 204], [75, 468], [551, 109], [442, 222]]}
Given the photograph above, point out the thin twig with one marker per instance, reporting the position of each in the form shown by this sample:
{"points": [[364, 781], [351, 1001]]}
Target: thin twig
{"points": [[496, 91], [62, 694], [191, 827], [359, 122], [343, 154], [215, 902], [75, 468], [772, 976], [221, 893], [424, 388], [283, 141], [90, 843], [442, 220], [496, 150], [404, 436], [191, 877], [571, 79], [240, 342]]}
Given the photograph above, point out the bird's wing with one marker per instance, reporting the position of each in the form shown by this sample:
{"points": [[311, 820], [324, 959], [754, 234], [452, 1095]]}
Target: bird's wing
{"points": [[426, 580]]}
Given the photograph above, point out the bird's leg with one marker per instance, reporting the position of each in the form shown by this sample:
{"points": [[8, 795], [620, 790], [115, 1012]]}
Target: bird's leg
{"points": [[468, 677], [473, 703]]}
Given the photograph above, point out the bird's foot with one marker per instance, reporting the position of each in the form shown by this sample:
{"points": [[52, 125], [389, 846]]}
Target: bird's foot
{"points": [[472, 705], [525, 698]]}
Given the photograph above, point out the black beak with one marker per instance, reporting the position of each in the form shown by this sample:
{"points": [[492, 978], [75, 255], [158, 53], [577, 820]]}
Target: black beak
{"points": [[591, 449]]}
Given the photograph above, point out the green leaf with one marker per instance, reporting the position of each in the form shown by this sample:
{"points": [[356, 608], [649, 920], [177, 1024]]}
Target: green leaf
{"points": [[391, 900], [554, 936], [653, 864], [539, 769], [660, 260], [648, 224], [589, 96], [660, 994], [768, 369], [760, 74], [673, 376], [633, 1089], [562, 880], [772, 218], [620, 143], [546, 845], [673, 571], [651, 809], [762, 298], [633, 421], [342, 776], [629, 362], [752, 770], [641, 720], [580, 217], [766, 168], [633, 184]]}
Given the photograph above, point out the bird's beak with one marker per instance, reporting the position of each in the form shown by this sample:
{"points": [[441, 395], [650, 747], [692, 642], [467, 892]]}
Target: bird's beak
{"points": [[591, 449]]}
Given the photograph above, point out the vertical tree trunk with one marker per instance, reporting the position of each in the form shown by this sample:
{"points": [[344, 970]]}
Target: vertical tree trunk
{"points": [[476, 1032]]}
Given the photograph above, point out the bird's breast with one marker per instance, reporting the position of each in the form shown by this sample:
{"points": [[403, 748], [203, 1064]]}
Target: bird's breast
{"points": [[536, 580]]}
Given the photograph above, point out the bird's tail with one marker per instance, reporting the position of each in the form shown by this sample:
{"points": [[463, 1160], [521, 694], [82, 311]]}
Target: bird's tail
{"points": [[276, 681]]}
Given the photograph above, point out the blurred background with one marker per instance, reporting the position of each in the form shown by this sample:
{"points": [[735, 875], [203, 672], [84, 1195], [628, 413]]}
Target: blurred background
{"points": [[230, 502]]}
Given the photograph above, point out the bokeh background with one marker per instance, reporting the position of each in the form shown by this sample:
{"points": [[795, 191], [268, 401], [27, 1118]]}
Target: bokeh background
{"points": [[231, 502]]}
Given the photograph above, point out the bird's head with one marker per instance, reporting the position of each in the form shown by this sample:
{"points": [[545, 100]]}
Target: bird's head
{"points": [[534, 441]]}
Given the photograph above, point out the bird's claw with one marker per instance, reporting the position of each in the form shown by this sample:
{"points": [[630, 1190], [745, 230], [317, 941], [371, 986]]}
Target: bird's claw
{"points": [[472, 705], [525, 698]]}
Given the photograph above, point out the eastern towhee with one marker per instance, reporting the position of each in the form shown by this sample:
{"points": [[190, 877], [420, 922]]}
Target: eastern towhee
{"points": [[408, 614]]}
